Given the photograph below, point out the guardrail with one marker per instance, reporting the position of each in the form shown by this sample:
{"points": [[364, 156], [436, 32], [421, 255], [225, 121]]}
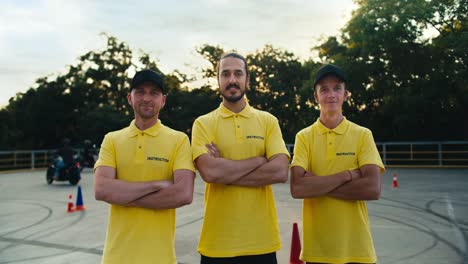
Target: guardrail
{"points": [[421, 154], [424, 154], [28, 159], [394, 154], [24, 159]]}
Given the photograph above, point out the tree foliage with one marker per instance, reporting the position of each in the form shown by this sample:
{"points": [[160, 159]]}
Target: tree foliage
{"points": [[408, 67], [406, 61]]}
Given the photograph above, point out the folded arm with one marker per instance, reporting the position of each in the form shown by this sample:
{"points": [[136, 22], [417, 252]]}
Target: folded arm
{"points": [[366, 187], [215, 169], [176, 195], [274, 171], [114, 191], [304, 184]]}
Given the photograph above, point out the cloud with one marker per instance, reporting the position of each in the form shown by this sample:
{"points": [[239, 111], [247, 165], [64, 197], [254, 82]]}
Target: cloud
{"points": [[39, 38]]}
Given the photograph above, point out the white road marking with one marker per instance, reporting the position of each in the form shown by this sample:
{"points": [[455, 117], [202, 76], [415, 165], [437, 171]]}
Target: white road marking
{"points": [[458, 234]]}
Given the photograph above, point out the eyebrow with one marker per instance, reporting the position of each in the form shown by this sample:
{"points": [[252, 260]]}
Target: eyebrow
{"points": [[153, 88], [235, 70], [336, 85]]}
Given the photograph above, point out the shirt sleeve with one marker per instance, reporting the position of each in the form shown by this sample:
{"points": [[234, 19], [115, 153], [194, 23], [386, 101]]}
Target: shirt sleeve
{"points": [[368, 153], [199, 139], [274, 141], [183, 157], [106, 153], [301, 153]]}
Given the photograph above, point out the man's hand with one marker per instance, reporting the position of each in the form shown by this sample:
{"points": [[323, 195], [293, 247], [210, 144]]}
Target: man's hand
{"points": [[114, 191], [213, 150], [306, 184], [365, 185], [355, 174], [215, 169], [163, 184]]}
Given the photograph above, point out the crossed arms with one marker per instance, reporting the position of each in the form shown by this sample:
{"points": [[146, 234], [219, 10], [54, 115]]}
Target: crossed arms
{"points": [[254, 172], [359, 184], [162, 194]]}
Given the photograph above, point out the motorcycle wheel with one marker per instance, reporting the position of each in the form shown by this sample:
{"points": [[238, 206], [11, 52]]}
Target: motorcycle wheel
{"points": [[74, 176], [50, 175]]}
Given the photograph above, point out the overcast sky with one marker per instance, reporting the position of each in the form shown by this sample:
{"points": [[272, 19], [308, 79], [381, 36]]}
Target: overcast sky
{"points": [[41, 37]]}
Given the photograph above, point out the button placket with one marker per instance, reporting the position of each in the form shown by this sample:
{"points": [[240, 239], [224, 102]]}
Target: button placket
{"points": [[139, 153], [238, 128], [330, 145]]}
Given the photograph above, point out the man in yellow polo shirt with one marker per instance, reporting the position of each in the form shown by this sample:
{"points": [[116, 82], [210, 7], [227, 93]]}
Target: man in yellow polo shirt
{"points": [[144, 171], [335, 169], [239, 152]]}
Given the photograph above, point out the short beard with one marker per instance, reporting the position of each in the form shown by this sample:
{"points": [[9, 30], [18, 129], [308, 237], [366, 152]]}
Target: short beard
{"points": [[233, 99], [145, 115]]}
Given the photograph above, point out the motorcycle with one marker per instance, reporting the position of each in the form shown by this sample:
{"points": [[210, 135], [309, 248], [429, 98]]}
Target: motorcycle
{"points": [[70, 172], [88, 159]]}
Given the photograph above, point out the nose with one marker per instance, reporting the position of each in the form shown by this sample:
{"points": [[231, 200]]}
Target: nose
{"points": [[146, 97], [232, 78]]}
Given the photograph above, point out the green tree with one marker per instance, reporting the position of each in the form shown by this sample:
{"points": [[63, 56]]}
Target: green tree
{"points": [[278, 84], [277, 80], [407, 67], [212, 54], [86, 102]]}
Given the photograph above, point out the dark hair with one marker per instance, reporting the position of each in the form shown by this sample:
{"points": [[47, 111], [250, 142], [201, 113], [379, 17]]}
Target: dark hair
{"points": [[329, 69], [232, 54], [148, 75]]}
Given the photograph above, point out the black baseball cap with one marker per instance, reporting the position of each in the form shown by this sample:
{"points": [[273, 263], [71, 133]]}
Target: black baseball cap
{"points": [[327, 70], [148, 76]]}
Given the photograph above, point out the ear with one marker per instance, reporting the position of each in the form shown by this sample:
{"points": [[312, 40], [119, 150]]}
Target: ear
{"points": [[347, 94], [315, 96], [163, 101], [247, 82], [129, 98]]}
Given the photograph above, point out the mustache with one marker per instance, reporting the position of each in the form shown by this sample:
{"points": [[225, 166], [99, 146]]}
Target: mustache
{"points": [[232, 85]]}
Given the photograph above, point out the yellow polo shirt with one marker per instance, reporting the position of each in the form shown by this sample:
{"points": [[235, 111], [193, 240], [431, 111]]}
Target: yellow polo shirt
{"points": [[335, 230], [238, 220], [139, 235]]}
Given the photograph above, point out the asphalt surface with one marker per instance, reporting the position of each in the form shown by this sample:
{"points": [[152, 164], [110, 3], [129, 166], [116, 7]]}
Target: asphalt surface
{"points": [[424, 220]]}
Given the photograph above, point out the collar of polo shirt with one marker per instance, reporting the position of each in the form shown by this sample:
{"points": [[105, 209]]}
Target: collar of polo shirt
{"points": [[152, 131], [225, 112], [340, 129]]}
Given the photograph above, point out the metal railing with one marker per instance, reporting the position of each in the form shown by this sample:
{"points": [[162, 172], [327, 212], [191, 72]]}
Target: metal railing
{"points": [[424, 153], [394, 154], [24, 159], [421, 154], [29, 159]]}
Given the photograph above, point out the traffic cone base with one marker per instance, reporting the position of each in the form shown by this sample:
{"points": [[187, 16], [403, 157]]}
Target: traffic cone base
{"points": [[79, 200], [70, 204], [295, 246], [395, 181], [80, 208]]}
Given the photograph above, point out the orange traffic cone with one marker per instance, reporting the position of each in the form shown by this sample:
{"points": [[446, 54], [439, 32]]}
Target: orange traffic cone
{"points": [[79, 200], [395, 180], [295, 247], [70, 204]]}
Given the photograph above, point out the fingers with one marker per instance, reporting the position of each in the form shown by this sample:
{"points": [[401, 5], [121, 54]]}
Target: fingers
{"points": [[356, 174], [213, 150], [214, 145], [263, 160]]}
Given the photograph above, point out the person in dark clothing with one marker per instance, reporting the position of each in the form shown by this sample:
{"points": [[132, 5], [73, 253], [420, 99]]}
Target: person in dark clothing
{"points": [[65, 157], [88, 154]]}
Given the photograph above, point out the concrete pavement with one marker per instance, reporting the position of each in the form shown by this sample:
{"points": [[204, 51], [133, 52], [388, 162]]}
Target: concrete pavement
{"points": [[425, 220]]}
